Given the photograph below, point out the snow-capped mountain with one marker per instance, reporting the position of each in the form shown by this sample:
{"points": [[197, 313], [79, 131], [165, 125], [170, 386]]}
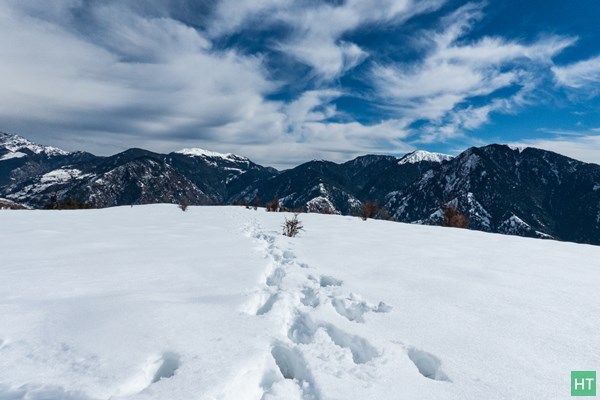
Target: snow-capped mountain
{"points": [[529, 192], [518, 191], [14, 146], [135, 176], [207, 154], [420, 155]]}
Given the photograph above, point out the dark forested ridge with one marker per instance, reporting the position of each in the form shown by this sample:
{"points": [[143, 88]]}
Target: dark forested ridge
{"points": [[519, 191]]}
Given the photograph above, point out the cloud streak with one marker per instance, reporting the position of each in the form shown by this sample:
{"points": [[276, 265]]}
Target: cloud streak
{"points": [[579, 75], [316, 29], [453, 72]]}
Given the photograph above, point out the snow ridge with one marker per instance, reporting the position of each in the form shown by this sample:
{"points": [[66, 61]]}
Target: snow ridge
{"points": [[198, 152], [421, 155], [15, 143]]}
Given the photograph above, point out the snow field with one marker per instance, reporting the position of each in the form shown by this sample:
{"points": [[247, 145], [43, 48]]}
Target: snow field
{"points": [[152, 303]]}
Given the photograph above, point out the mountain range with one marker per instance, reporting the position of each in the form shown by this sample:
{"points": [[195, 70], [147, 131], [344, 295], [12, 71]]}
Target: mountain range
{"points": [[501, 189]]}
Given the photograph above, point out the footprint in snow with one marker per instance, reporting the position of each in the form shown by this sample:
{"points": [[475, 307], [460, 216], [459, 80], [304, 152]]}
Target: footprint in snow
{"points": [[167, 366], [276, 277], [156, 369], [354, 309], [310, 297], [268, 304], [293, 367], [327, 280], [428, 365], [303, 330]]}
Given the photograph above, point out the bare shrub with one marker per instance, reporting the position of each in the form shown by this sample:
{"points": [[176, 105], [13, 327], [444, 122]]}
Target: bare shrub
{"points": [[368, 210], [68, 204], [256, 203], [384, 215], [183, 205], [273, 205], [291, 227], [454, 218]]}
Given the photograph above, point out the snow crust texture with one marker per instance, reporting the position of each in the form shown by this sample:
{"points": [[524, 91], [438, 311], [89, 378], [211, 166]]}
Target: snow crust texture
{"points": [[149, 302]]}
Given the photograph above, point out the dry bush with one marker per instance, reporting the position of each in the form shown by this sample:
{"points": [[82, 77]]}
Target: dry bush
{"points": [[68, 204], [10, 205], [273, 205], [368, 210], [384, 215], [183, 205], [291, 227], [453, 218], [256, 203]]}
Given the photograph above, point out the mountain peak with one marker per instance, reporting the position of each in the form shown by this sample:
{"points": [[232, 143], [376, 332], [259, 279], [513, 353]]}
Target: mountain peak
{"points": [[15, 143], [198, 152], [421, 155]]}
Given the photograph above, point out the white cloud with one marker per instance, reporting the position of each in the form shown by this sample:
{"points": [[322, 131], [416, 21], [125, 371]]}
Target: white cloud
{"points": [[436, 88], [583, 146], [580, 74], [316, 28], [124, 76], [137, 81]]}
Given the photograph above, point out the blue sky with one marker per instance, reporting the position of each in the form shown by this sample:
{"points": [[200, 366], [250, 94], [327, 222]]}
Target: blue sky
{"points": [[286, 81]]}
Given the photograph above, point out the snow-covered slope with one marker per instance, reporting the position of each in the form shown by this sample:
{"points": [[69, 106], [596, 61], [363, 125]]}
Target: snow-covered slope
{"points": [[15, 145], [153, 303], [421, 155], [198, 152]]}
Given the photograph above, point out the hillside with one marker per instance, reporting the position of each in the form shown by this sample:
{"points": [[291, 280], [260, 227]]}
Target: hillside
{"points": [[148, 302]]}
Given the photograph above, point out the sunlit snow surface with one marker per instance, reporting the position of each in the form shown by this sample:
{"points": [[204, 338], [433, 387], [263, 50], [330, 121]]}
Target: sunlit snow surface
{"points": [[151, 302]]}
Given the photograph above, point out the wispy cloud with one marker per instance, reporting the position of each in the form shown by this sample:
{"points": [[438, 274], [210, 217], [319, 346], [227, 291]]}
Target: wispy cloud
{"points": [[131, 79], [580, 74], [453, 71], [581, 145], [316, 29]]}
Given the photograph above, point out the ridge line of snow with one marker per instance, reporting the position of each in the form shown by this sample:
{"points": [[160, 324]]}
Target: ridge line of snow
{"points": [[422, 155], [14, 143], [198, 152]]}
